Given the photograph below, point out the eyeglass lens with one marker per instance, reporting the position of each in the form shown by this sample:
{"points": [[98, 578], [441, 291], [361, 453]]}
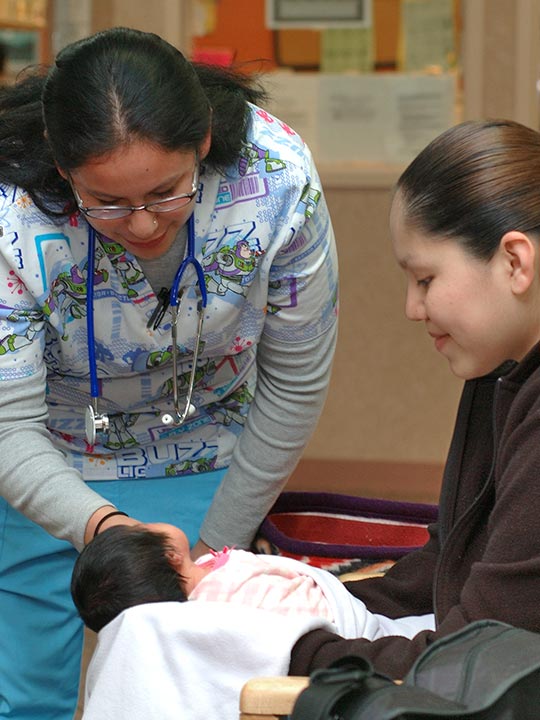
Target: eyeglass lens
{"points": [[115, 212], [160, 206]]}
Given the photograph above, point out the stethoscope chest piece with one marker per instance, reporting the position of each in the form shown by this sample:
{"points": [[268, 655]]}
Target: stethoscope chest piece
{"points": [[95, 422]]}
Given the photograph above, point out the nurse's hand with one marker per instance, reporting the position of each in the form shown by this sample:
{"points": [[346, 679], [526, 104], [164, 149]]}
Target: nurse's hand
{"points": [[99, 516], [200, 548]]}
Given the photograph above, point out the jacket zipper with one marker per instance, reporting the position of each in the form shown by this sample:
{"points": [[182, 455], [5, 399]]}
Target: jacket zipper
{"points": [[472, 508]]}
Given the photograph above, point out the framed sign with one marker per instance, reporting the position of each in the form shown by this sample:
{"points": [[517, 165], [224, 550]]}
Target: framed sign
{"points": [[319, 14], [19, 49]]}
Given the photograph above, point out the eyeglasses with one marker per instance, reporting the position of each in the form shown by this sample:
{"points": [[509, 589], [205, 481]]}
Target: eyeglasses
{"points": [[115, 212]]}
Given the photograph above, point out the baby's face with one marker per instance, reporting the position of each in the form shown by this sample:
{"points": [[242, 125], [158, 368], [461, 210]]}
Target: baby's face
{"points": [[176, 537]]}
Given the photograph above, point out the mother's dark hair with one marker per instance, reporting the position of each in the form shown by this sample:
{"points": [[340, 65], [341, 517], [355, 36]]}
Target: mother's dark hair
{"points": [[115, 87], [474, 183]]}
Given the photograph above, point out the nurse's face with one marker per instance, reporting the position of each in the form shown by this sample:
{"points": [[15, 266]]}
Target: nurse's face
{"points": [[138, 174]]}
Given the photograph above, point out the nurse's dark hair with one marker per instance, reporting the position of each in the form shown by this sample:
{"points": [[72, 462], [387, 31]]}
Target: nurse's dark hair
{"points": [[117, 86], [122, 567], [474, 183]]}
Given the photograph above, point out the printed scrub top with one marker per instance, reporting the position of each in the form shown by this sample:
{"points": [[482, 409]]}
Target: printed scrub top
{"points": [[263, 237]]}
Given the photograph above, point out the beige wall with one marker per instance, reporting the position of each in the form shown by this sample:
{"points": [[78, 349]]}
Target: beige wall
{"points": [[171, 19], [391, 396]]}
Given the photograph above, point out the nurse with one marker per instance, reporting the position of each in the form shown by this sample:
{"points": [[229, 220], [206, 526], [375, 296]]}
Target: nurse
{"points": [[125, 142]]}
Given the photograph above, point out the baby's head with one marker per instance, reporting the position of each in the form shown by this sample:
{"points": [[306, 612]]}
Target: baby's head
{"points": [[122, 567]]}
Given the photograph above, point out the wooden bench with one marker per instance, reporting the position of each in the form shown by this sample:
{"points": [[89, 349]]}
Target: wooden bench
{"points": [[269, 698]]}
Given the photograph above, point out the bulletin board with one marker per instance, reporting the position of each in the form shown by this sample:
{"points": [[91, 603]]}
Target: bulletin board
{"points": [[402, 33], [373, 91]]}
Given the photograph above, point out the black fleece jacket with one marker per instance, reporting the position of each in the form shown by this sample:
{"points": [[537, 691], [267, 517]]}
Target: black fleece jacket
{"points": [[482, 559]]}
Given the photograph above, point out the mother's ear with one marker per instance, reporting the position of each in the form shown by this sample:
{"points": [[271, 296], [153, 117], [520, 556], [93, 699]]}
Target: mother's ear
{"points": [[519, 255]]}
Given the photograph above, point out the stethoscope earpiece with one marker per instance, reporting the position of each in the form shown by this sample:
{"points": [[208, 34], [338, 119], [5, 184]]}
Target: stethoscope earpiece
{"points": [[168, 419]]}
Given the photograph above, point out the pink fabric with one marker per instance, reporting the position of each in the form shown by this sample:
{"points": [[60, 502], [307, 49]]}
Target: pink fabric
{"points": [[216, 558], [247, 579]]}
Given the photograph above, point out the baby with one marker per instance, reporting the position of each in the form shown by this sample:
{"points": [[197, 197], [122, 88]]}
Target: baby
{"points": [[126, 566]]}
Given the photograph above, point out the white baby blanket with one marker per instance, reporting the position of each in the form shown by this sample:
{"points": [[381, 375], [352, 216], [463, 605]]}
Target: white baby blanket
{"points": [[186, 661]]}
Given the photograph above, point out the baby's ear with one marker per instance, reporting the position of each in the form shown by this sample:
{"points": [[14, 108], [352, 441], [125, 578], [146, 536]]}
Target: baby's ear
{"points": [[175, 559]]}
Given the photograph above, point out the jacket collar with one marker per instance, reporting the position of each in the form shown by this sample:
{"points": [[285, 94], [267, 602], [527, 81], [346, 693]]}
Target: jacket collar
{"points": [[519, 371]]}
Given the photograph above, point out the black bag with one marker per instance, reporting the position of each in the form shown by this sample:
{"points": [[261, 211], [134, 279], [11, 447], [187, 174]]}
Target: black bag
{"points": [[486, 671]]}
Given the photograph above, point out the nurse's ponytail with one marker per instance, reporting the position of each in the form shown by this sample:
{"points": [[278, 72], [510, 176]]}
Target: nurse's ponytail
{"points": [[25, 156]]}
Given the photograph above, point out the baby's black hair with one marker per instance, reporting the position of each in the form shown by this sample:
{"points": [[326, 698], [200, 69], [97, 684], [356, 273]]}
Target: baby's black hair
{"points": [[122, 567]]}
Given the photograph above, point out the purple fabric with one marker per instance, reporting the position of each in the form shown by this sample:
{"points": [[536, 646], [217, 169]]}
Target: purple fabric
{"points": [[332, 503]]}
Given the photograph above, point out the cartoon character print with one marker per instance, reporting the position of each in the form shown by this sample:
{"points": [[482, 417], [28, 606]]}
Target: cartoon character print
{"points": [[230, 268], [14, 341], [204, 370], [119, 435], [142, 360], [252, 154], [310, 199], [68, 295], [130, 275], [190, 467], [232, 409], [158, 357]]}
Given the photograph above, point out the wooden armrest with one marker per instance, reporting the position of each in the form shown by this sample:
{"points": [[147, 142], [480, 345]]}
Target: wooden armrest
{"points": [[269, 697]]}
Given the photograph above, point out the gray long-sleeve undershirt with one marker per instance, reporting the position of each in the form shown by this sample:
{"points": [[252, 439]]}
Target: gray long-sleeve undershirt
{"points": [[291, 388]]}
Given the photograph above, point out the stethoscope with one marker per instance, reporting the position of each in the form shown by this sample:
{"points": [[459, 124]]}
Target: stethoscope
{"points": [[98, 422]]}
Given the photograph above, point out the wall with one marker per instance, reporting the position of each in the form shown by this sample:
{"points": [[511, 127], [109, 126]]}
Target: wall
{"points": [[169, 18], [391, 403], [392, 396]]}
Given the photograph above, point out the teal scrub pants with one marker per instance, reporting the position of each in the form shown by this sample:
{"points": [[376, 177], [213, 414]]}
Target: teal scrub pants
{"points": [[40, 633]]}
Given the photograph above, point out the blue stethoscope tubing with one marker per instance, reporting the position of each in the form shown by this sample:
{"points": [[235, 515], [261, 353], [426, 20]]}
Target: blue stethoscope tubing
{"points": [[190, 259], [94, 420], [99, 422]]}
